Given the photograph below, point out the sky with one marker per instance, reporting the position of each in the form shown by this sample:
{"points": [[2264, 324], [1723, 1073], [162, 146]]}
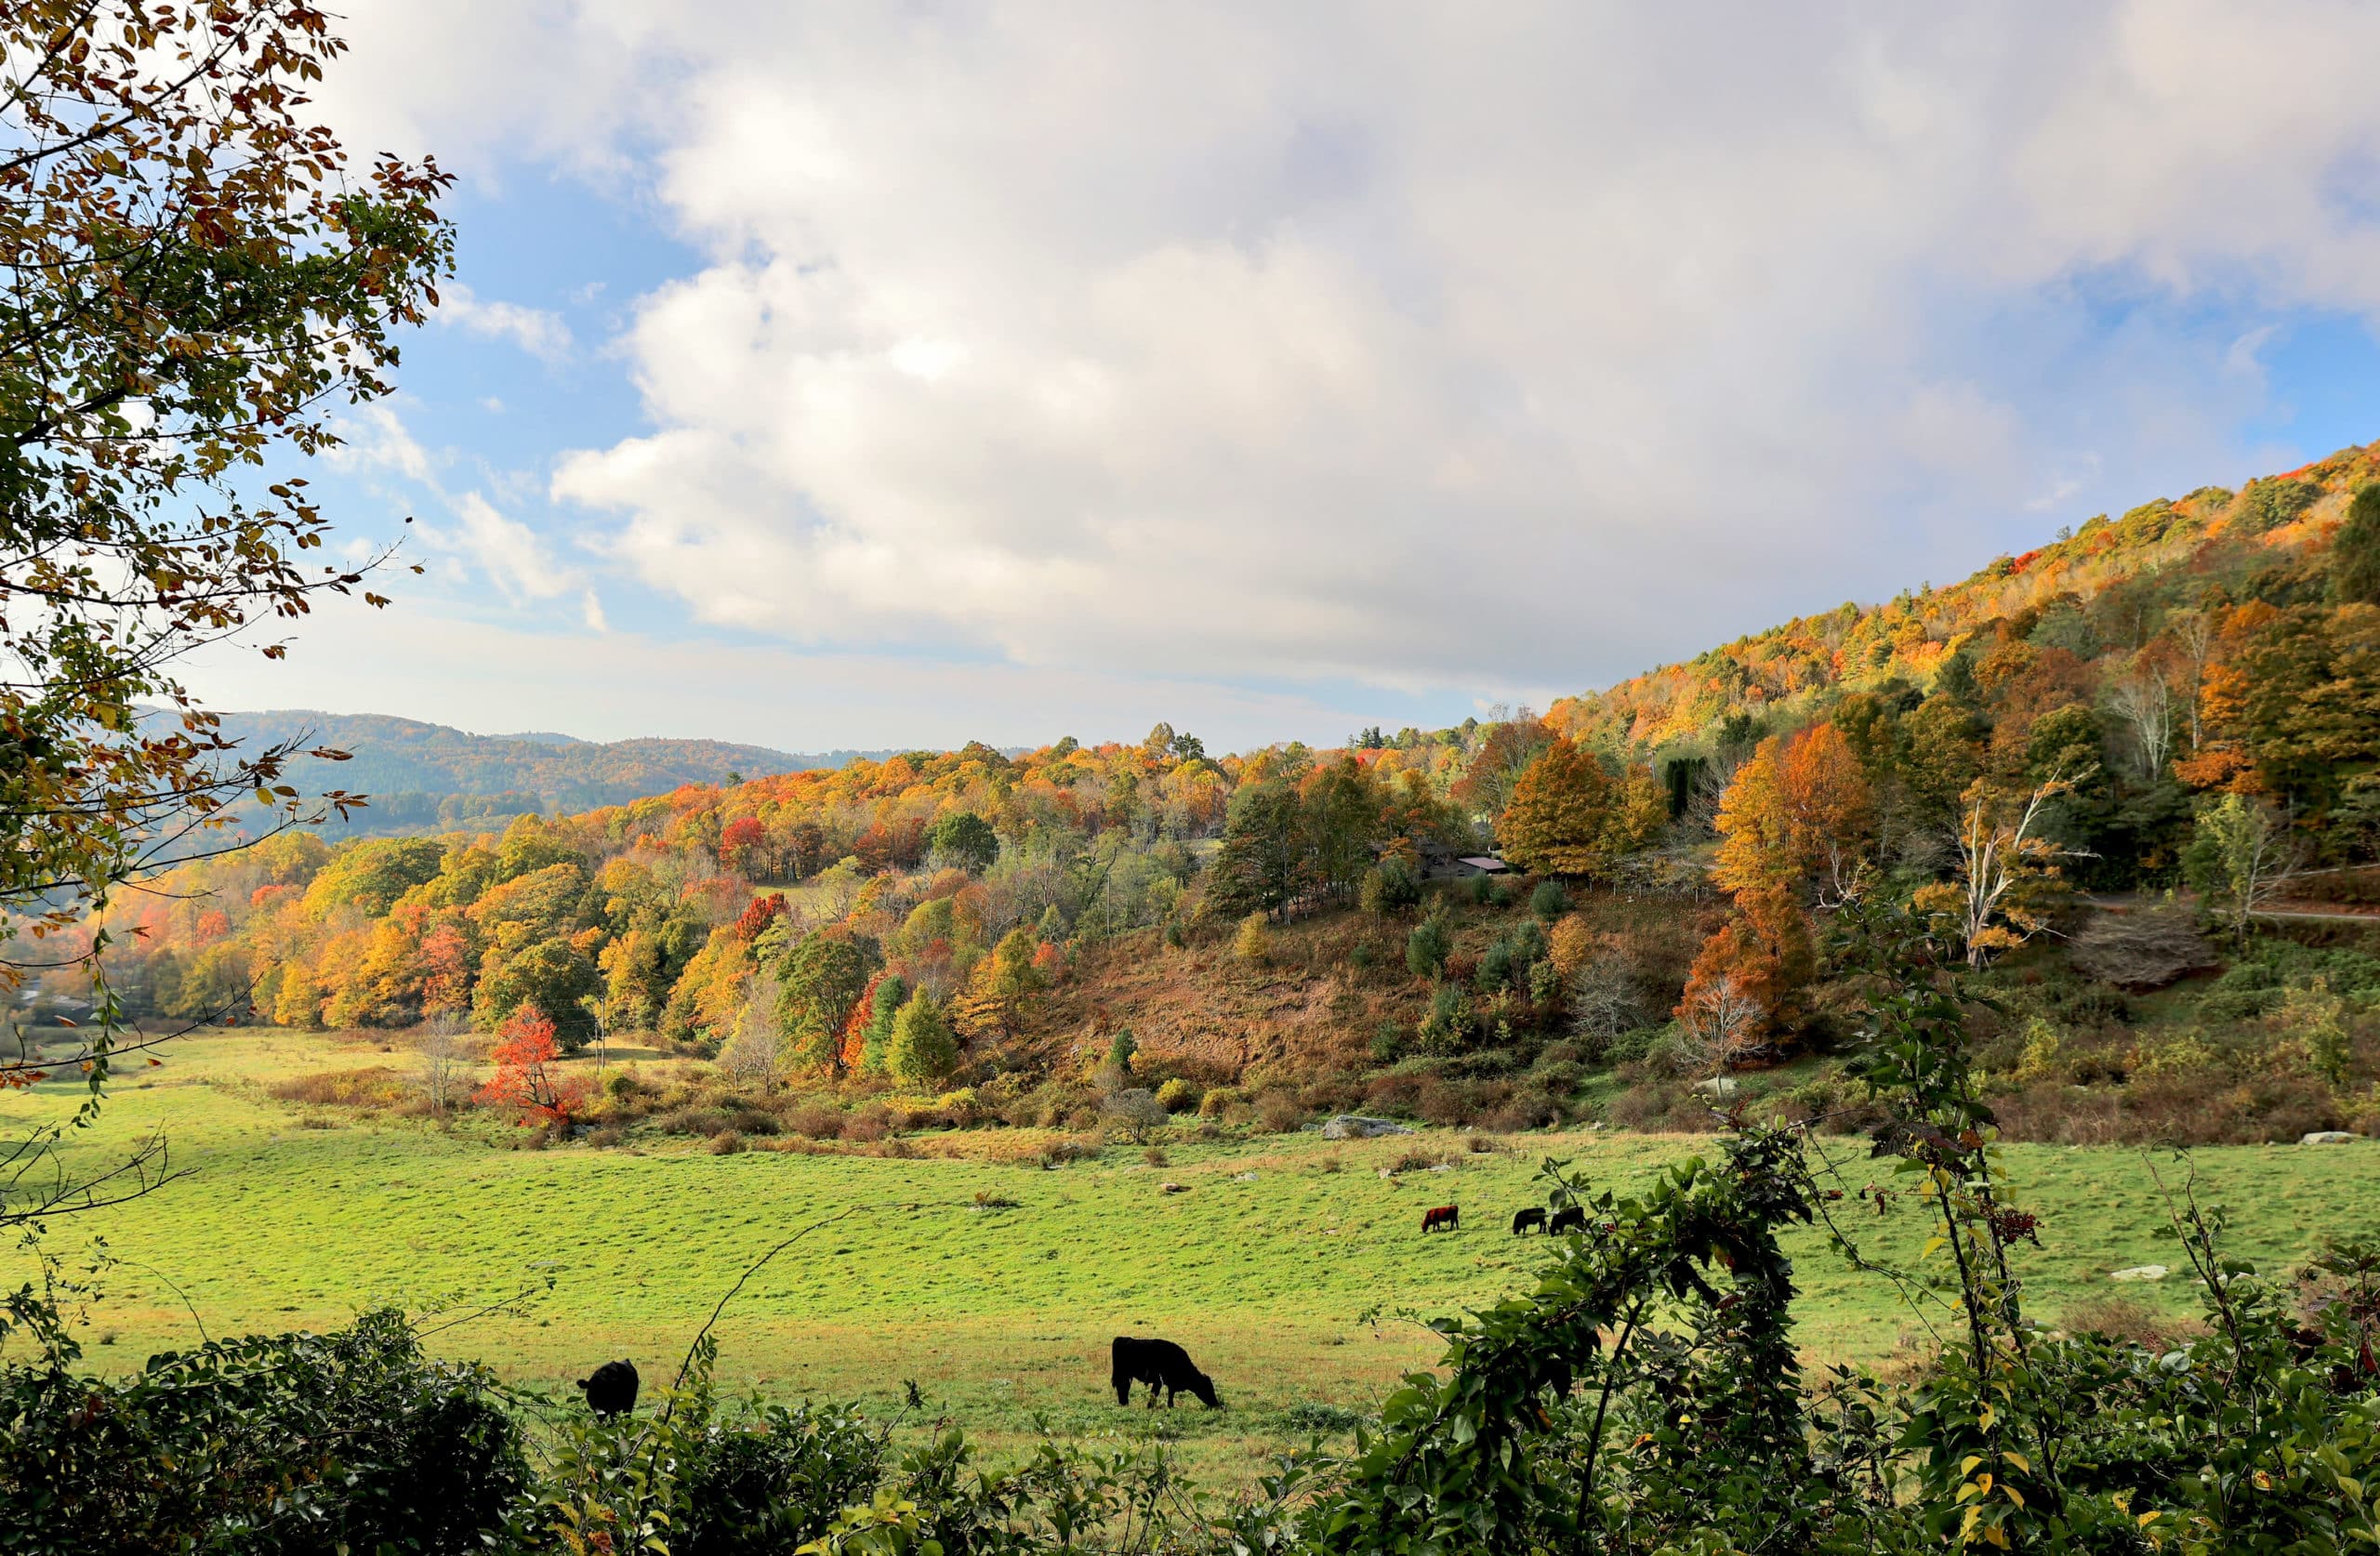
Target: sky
{"points": [[900, 375]]}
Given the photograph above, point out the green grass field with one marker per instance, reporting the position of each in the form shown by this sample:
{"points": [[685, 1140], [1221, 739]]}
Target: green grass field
{"points": [[1264, 1266]]}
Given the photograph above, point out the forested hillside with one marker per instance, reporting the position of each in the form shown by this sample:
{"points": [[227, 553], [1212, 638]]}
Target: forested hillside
{"points": [[2185, 699], [424, 777]]}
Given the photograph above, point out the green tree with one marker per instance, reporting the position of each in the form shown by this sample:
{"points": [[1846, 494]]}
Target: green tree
{"points": [[2355, 552], [966, 840], [1342, 821], [822, 979], [552, 974], [369, 876], [1263, 864], [2238, 860], [892, 992], [922, 1053]]}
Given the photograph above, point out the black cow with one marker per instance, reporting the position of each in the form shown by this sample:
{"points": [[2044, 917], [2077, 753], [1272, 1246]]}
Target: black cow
{"points": [[1524, 1219], [1160, 1363], [611, 1388], [1572, 1219]]}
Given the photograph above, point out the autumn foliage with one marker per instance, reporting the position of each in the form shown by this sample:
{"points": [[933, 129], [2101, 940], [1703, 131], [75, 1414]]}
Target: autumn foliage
{"points": [[1569, 817], [528, 1075]]}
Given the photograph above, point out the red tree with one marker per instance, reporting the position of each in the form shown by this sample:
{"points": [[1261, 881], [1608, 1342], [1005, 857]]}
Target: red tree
{"points": [[756, 918], [526, 1075], [739, 846]]}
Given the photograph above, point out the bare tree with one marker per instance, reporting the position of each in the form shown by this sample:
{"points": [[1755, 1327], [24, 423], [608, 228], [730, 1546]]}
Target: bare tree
{"points": [[2004, 865], [444, 1060], [2195, 633], [1720, 1018], [2145, 702], [754, 1053]]}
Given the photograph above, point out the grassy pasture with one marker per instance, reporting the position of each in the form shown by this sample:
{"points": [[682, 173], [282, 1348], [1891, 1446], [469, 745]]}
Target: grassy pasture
{"points": [[1263, 1265]]}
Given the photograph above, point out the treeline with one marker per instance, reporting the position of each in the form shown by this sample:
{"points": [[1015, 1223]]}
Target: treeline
{"points": [[2189, 696], [790, 921]]}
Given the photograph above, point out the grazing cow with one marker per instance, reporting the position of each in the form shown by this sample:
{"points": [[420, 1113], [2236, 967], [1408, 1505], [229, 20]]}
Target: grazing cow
{"points": [[1572, 1219], [1160, 1363], [611, 1388], [1445, 1215], [1524, 1219]]}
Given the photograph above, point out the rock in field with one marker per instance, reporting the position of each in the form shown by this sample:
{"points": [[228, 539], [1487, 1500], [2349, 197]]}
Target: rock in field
{"points": [[2138, 1272], [1350, 1126], [2327, 1137]]}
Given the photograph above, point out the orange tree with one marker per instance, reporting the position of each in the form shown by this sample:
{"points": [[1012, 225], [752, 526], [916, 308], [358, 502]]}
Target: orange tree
{"points": [[526, 1075]]}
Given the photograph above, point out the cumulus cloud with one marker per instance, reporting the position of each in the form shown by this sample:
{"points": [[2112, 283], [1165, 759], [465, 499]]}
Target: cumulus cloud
{"points": [[537, 331], [1438, 346]]}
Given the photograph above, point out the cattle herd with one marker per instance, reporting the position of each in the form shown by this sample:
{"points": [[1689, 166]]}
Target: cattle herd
{"points": [[611, 1390]]}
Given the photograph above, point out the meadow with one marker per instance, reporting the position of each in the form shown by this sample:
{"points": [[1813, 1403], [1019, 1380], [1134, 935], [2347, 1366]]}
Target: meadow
{"points": [[1292, 1267]]}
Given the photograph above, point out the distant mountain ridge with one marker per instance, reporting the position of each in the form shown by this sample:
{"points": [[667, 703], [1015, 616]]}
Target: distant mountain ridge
{"points": [[422, 776]]}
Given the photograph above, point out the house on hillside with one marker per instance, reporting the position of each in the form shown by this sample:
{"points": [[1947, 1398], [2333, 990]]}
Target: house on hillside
{"points": [[1441, 863]]}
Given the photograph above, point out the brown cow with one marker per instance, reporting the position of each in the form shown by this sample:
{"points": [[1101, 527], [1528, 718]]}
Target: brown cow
{"points": [[1445, 1216]]}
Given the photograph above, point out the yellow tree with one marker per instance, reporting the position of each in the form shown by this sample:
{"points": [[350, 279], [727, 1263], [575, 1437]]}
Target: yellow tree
{"points": [[1569, 817], [1556, 819]]}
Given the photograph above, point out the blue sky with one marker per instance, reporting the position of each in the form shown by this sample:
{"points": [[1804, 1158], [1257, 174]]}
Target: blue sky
{"points": [[829, 377]]}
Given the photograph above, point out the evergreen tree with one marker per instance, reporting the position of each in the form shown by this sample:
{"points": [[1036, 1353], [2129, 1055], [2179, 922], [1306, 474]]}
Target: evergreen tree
{"points": [[922, 1053]]}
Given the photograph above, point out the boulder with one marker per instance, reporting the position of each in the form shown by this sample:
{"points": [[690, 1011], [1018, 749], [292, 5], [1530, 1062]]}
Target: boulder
{"points": [[2327, 1137], [1719, 1085], [1350, 1126], [2138, 1272]]}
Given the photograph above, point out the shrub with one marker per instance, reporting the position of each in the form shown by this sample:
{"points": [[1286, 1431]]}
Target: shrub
{"points": [[1391, 887], [1277, 1113], [1448, 1027], [1549, 902], [1133, 1112], [817, 1121], [1177, 1095], [375, 1087], [1217, 1098], [726, 1144], [1427, 947], [351, 1440], [1388, 1043], [1253, 943]]}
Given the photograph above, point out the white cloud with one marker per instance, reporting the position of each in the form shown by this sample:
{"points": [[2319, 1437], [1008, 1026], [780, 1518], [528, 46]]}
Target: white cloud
{"points": [[509, 552], [541, 333], [1429, 345]]}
